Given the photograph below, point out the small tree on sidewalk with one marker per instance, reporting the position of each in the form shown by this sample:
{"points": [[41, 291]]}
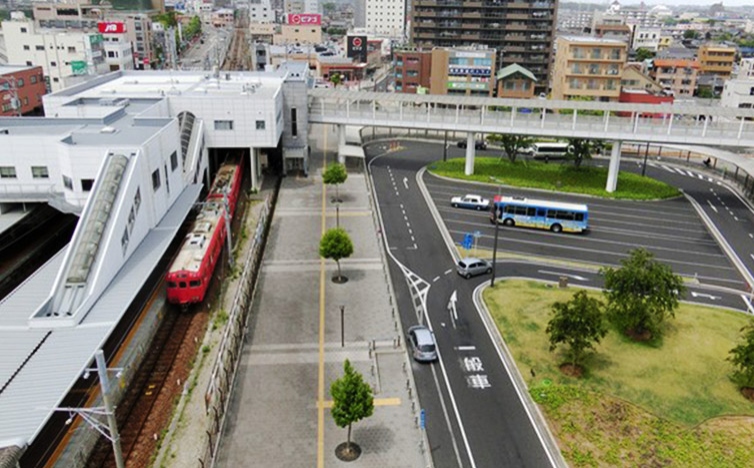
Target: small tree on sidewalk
{"points": [[577, 323], [335, 245], [352, 402], [742, 357], [512, 144], [335, 174]]}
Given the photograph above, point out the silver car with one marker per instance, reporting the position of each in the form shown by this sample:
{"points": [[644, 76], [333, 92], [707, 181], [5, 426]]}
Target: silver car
{"points": [[470, 266], [422, 343]]}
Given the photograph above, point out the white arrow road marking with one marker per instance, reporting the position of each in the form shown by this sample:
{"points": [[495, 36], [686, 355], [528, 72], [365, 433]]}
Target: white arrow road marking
{"points": [[405, 182], [452, 308], [708, 296], [712, 206], [747, 301], [576, 277]]}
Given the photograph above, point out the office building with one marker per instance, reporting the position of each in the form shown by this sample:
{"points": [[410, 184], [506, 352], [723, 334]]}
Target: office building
{"points": [[386, 17], [588, 67], [412, 70], [463, 72], [520, 32]]}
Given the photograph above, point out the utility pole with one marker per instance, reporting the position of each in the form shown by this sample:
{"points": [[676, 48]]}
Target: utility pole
{"points": [[109, 410]]}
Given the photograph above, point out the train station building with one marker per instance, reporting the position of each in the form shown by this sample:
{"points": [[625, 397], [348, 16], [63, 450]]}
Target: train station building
{"points": [[129, 152]]}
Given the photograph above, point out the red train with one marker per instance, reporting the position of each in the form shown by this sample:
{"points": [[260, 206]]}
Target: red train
{"points": [[190, 273]]}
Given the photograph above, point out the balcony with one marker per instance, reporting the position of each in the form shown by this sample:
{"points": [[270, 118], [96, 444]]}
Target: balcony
{"points": [[469, 36], [471, 14], [471, 26], [517, 16]]}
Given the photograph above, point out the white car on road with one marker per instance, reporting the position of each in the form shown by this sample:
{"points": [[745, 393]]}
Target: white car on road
{"points": [[474, 202]]}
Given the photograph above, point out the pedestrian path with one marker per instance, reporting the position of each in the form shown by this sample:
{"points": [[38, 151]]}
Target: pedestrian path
{"points": [[303, 326]]}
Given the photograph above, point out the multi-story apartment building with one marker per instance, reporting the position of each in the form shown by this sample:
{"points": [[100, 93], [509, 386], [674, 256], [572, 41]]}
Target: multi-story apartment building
{"points": [[521, 32], [716, 59], [576, 21], [21, 89], [588, 67], [386, 17], [464, 72], [738, 93], [412, 70], [745, 68], [645, 38], [677, 76], [65, 56], [621, 32]]}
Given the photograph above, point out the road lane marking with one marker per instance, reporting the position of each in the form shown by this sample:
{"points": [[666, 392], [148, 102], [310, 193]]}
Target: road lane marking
{"points": [[569, 275], [712, 206], [705, 295], [465, 348], [747, 301], [436, 278], [448, 271]]}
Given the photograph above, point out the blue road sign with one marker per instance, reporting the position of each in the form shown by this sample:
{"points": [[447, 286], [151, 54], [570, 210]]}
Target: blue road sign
{"points": [[423, 419], [468, 241]]}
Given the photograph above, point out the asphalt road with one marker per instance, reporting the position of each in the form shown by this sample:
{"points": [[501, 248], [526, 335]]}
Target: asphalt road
{"points": [[474, 416]]}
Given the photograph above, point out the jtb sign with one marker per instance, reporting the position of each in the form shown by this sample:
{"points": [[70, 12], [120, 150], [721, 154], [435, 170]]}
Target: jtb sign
{"points": [[111, 27], [305, 19]]}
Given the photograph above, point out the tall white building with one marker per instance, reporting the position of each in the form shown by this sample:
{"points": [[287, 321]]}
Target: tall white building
{"points": [[260, 11], [301, 6], [64, 55], [386, 17], [646, 38], [738, 93]]}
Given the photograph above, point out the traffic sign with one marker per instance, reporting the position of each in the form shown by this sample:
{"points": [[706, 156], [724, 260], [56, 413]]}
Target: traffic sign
{"points": [[423, 419]]}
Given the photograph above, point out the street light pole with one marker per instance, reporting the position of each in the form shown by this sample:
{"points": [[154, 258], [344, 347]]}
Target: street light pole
{"points": [[494, 246]]}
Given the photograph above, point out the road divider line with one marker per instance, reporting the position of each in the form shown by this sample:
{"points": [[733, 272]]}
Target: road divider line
{"points": [[713, 206]]}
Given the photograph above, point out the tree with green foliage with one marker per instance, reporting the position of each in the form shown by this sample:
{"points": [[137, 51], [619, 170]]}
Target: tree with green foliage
{"points": [[742, 357], [705, 93], [328, 7], [335, 245], [579, 149], [690, 34], [335, 174], [578, 323], [336, 79], [511, 144], [641, 294], [352, 399], [168, 19], [643, 54], [193, 28]]}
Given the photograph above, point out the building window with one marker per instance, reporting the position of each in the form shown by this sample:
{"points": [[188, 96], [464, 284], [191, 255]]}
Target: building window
{"points": [[7, 172], [68, 182], [751, 92], [26, 101], [510, 85], [615, 54], [294, 122], [173, 160], [71, 49], [33, 79], [260, 124], [40, 172], [40, 47], [87, 184], [23, 30], [156, 179], [574, 84], [597, 53], [20, 83], [27, 47], [53, 64], [223, 125]]}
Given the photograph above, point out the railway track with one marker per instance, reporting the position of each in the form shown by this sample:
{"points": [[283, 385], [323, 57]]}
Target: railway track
{"points": [[138, 404], [238, 58]]}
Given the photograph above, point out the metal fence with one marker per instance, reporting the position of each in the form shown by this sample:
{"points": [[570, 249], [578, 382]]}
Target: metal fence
{"points": [[217, 394]]}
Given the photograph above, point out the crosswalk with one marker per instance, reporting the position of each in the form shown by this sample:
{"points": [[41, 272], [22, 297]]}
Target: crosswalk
{"points": [[680, 171]]}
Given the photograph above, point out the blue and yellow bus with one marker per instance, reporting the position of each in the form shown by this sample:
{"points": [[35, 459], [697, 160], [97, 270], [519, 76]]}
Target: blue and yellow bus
{"points": [[540, 214]]}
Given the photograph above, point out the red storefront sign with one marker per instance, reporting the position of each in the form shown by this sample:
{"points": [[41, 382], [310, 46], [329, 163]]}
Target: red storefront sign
{"points": [[305, 19], [111, 27]]}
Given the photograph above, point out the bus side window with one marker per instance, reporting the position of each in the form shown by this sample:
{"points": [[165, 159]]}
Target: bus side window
{"points": [[521, 210], [531, 211], [579, 216], [509, 209], [551, 214], [541, 212]]}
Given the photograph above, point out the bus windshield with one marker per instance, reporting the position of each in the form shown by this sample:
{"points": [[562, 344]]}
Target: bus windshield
{"points": [[540, 214]]}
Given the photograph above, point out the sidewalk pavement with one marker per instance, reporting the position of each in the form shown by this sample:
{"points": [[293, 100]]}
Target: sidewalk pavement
{"points": [[291, 355]]}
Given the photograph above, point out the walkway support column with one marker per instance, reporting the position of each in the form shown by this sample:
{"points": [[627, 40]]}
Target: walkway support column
{"points": [[254, 168], [470, 140], [612, 172], [341, 143]]}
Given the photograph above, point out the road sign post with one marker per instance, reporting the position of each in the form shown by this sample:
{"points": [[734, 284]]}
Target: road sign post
{"points": [[494, 245]]}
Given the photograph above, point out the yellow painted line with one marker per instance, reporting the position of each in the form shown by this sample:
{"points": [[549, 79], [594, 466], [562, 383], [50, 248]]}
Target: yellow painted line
{"points": [[321, 370], [377, 402]]}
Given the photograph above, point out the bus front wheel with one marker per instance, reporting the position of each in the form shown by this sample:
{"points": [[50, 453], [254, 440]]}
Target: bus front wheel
{"points": [[508, 222], [556, 228]]}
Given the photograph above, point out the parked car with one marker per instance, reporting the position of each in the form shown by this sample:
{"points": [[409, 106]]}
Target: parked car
{"points": [[474, 202], [480, 144], [422, 343], [470, 266]]}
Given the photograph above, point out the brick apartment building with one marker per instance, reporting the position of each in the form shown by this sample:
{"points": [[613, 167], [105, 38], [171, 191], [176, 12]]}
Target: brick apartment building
{"points": [[24, 83]]}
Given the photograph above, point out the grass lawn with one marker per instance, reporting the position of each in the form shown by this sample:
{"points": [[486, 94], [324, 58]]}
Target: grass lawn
{"points": [[557, 177], [658, 404]]}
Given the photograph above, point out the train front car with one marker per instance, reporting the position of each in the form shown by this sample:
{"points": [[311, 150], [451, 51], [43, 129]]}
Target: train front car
{"points": [[190, 273]]}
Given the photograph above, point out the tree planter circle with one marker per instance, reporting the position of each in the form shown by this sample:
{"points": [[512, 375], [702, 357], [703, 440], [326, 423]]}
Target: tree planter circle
{"points": [[346, 454], [339, 279]]}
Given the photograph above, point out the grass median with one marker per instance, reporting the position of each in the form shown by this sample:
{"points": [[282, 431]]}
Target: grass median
{"points": [[667, 403], [588, 180]]}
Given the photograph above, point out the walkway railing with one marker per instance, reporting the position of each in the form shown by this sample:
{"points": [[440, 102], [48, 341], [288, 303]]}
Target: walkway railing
{"points": [[683, 124]]}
